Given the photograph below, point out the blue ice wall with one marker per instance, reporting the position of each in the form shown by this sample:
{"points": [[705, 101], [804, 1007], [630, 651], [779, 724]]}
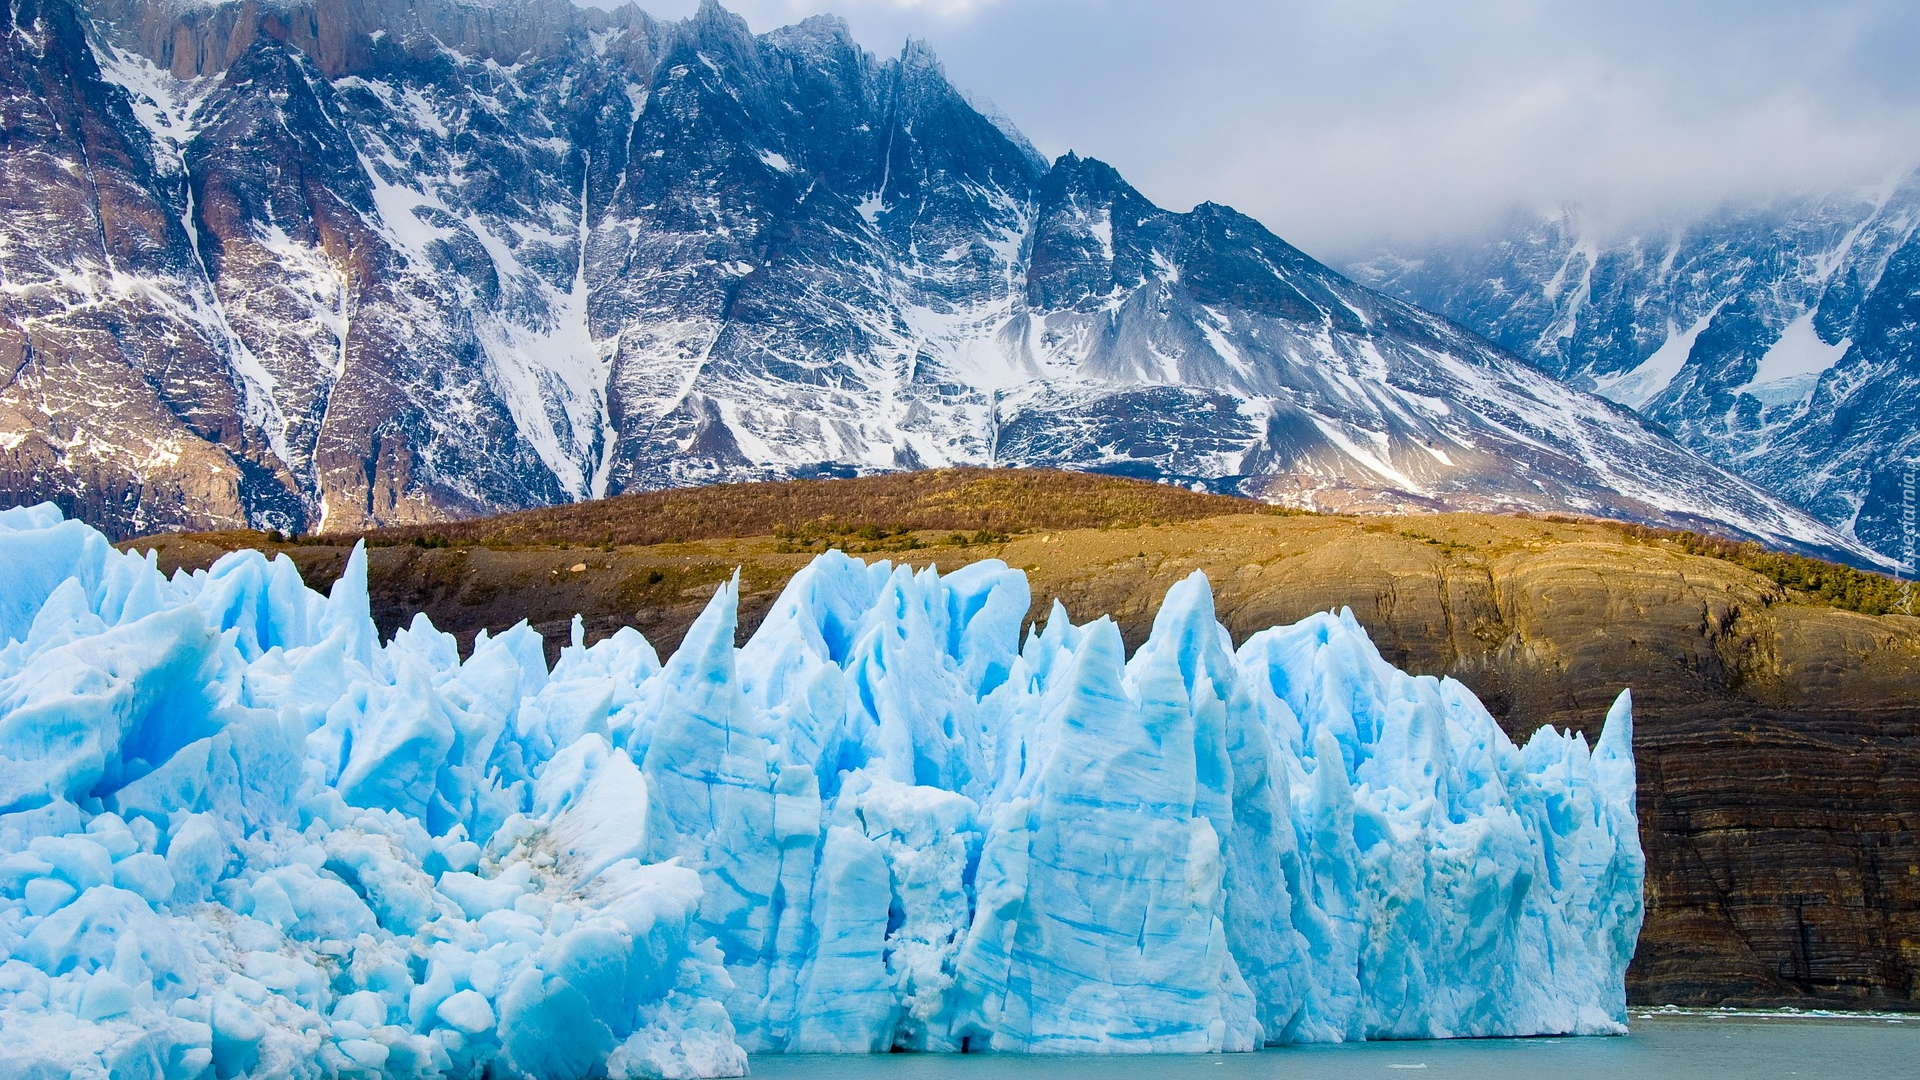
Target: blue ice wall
{"points": [[239, 835]]}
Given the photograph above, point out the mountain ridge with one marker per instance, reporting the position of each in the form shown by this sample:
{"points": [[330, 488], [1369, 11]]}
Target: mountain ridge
{"points": [[1774, 338]]}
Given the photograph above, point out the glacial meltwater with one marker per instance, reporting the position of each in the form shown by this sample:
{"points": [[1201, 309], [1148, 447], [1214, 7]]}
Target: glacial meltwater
{"points": [[1658, 1047]]}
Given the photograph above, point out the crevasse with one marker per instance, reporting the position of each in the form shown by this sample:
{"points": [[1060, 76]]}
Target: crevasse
{"points": [[242, 836]]}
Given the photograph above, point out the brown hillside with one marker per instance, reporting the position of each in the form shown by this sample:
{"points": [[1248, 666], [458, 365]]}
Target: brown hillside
{"points": [[943, 500], [1778, 735]]}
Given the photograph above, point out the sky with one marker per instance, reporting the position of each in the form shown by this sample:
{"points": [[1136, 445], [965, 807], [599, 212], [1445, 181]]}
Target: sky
{"points": [[1355, 126]]}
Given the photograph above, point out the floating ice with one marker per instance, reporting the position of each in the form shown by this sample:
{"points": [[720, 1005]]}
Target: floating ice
{"points": [[241, 836]]}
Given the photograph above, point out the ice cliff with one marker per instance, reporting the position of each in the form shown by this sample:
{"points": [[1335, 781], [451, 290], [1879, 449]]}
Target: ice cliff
{"points": [[240, 835]]}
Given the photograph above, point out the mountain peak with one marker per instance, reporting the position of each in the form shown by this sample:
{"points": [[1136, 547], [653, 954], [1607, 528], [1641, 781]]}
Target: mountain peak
{"points": [[506, 255], [713, 27], [712, 12], [826, 26], [1071, 168], [918, 53]]}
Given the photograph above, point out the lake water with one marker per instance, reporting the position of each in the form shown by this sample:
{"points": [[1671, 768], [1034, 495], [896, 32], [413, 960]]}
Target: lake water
{"points": [[1660, 1047]]}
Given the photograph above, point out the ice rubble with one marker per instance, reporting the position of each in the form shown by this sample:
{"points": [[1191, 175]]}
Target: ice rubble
{"points": [[243, 836]]}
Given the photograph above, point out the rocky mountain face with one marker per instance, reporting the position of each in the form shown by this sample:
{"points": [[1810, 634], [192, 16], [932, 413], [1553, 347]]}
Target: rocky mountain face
{"points": [[326, 266], [1780, 341]]}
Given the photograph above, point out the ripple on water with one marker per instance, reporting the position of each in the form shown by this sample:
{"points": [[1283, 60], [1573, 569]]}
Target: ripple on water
{"points": [[1663, 1045]]}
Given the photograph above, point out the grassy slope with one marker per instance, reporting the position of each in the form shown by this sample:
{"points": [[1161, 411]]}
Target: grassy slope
{"points": [[946, 501]]}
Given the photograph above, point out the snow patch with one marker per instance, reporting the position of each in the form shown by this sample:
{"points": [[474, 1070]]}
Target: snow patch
{"points": [[1798, 356], [552, 373], [397, 206], [1376, 461], [1102, 229], [424, 113], [1645, 382]]}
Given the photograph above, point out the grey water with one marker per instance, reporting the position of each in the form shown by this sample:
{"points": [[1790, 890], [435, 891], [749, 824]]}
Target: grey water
{"points": [[1658, 1047]]}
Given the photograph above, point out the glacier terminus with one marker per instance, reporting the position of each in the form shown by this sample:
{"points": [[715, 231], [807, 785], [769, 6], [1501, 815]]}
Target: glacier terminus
{"points": [[242, 836]]}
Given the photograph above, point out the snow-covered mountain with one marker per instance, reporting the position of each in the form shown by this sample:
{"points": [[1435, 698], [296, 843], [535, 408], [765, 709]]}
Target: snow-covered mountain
{"points": [[1783, 341], [323, 266]]}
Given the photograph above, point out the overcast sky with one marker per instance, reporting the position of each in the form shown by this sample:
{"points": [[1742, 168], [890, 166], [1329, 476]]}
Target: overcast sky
{"points": [[1345, 125]]}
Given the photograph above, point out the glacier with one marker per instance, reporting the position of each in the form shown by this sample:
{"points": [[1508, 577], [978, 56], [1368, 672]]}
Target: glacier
{"points": [[240, 835]]}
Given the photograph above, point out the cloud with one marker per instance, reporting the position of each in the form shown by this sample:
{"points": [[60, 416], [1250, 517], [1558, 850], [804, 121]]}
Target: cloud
{"points": [[1346, 124], [764, 14], [951, 9]]}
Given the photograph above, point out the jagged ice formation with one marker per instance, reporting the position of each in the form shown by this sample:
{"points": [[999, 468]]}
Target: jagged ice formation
{"points": [[242, 836]]}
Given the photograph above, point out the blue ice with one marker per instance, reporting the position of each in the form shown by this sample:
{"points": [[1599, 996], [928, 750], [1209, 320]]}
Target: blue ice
{"points": [[242, 836]]}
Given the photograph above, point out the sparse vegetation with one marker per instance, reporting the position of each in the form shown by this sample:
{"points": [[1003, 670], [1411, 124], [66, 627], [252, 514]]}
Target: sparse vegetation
{"points": [[1434, 541], [1841, 586], [875, 513], [1812, 579]]}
